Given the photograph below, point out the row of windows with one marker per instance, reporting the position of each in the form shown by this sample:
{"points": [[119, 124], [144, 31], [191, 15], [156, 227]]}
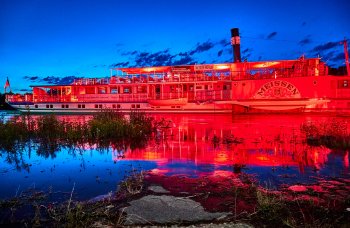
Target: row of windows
{"points": [[135, 106], [114, 106]]}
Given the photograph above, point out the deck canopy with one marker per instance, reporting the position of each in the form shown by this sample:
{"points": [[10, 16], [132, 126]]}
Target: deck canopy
{"points": [[242, 66]]}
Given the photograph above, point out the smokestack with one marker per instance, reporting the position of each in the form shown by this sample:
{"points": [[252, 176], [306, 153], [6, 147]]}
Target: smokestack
{"points": [[236, 45]]}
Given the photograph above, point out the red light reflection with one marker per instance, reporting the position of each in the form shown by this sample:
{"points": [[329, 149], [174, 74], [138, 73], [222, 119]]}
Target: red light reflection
{"points": [[262, 141]]}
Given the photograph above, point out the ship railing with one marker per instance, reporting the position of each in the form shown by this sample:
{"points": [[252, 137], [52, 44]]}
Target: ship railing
{"points": [[53, 98], [19, 97], [167, 96], [91, 81], [220, 75], [211, 95], [139, 97]]}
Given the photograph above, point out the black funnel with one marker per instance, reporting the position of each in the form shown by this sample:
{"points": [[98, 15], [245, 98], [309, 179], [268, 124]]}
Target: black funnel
{"points": [[236, 45]]}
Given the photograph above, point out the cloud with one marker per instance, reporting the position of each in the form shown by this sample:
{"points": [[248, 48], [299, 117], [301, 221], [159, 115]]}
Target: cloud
{"points": [[325, 47], [31, 78], [128, 53], [304, 41], [184, 60], [25, 90], [246, 53], [51, 80], [164, 58], [202, 47], [136, 58], [271, 35], [339, 57], [58, 80], [220, 53], [159, 58], [224, 42], [120, 64], [119, 44], [101, 65]]}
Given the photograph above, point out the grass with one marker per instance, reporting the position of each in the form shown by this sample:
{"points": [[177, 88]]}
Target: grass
{"points": [[332, 134], [33, 208], [268, 208], [106, 128]]}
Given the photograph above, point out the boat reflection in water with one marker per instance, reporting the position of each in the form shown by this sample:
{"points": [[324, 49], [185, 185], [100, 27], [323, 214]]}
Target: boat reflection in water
{"points": [[272, 147]]}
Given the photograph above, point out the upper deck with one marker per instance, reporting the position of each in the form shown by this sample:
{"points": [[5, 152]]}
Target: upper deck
{"points": [[227, 71], [211, 72]]}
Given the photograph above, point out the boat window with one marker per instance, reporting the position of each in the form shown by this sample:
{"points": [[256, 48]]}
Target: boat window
{"points": [[36, 106], [113, 106], [132, 106], [67, 106], [178, 106], [62, 106], [172, 106], [101, 90], [100, 106], [79, 106], [83, 106], [345, 83], [141, 89], [114, 91], [96, 106], [90, 90], [118, 106], [51, 106], [226, 87], [138, 106], [127, 90]]}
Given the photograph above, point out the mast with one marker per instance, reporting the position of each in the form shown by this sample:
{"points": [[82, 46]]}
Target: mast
{"points": [[345, 42]]}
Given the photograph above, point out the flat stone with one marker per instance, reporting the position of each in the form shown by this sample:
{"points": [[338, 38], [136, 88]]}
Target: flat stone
{"points": [[220, 225], [298, 188], [157, 189], [162, 209]]}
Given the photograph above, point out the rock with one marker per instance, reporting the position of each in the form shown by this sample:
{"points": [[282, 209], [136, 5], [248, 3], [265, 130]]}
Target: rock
{"points": [[157, 189], [220, 225], [298, 188], [166, 209], [101, 198], [209, 225]]}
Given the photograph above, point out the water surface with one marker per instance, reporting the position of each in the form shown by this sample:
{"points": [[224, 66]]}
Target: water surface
{"points": [[270, 147]]}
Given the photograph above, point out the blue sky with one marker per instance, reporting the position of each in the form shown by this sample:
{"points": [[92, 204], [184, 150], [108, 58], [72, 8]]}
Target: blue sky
{"points": [[44, 41]]}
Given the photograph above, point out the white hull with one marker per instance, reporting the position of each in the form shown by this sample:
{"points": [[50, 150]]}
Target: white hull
{"points": [[278, 105], [122, 107]]}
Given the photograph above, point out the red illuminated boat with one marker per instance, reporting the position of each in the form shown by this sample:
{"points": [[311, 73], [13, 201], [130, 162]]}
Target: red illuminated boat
{"points": [[301, 85]]}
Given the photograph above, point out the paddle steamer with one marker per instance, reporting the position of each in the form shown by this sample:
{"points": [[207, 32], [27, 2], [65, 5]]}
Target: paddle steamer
{"points": [[301, 85]]}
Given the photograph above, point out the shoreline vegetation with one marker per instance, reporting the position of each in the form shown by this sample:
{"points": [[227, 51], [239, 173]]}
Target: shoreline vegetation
{"points": [[326, 204], [332, 134], [107, 128]]}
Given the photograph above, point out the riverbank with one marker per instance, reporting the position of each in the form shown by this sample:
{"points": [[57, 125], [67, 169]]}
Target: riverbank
{"points": [[149, 199]]}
